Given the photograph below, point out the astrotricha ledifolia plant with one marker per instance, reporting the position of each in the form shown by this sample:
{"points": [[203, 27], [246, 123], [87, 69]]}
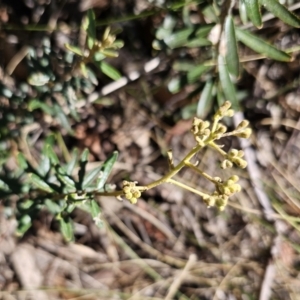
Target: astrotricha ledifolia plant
{"points": [[61, 188]]}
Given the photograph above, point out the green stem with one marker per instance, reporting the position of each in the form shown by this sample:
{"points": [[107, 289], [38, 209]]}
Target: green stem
{"points": [[210, 178], [213, 145], [186, 187], [176, 169]]}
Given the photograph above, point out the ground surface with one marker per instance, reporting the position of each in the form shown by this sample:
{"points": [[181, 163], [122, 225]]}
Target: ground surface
{"points": [[169, 245]]}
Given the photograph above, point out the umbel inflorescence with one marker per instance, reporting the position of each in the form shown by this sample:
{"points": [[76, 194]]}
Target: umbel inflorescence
{"points": [[206, 134]]}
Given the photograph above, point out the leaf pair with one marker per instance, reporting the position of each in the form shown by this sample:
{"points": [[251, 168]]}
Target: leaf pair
{"points": [[273, 6]]}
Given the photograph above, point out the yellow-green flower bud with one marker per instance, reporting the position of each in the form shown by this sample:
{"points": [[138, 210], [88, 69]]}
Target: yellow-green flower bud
{"points": [[133, 200], [240, 162], [221, 128], [245, 134], [126, 189], [136, 194], [234, 178], [229, 113], [233, 153], [128, 196], [242, 125]]}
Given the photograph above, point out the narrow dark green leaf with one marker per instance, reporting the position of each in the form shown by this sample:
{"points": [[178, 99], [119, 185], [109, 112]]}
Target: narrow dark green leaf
{"points": [[232, 56], [52, 206], [110, 53], [74, 49], [198, 42], [226, 83], [91, 28], [44, 166], [51, 154], [67, 180], [109, 70], [82, 164], [85, 155], [94, 209], [261, 46], [61, 116], [40, 183], [106, 169], [23, 225], [72, 163], [183, 66], [37, 104], [22, 161], [91, 176], [243, 11], [83, 69], [281, 12], [66, 228], [253, 12], [205, 103], [194, 74]]}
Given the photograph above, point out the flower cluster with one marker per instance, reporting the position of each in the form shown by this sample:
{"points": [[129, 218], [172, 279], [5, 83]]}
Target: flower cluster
{"points": [[224, 189], [234, 156], [131, 191], [200, 130]]}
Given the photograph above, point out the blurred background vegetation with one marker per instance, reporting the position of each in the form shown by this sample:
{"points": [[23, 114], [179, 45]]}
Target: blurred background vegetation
{"points": [[95, 92]]}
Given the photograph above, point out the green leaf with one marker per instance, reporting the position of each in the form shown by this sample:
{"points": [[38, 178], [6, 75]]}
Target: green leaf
{"points": [[226, 83], [40, 183], [91, 28], [198, 42], [67, 180], [51, 154], [281, 12], [72, 163], [52, 206], [232, 56], [44, 165], [22, 161], [98, 56], [109, 70], [82, 164], [243, 11], [91, 176], [94, 209], [106, 169], [110, 53], [194, 74], [61, 116], [83, 69], [66, 228], [205, 103], [23, 225], [189, 37], [38, 79], [37, 104], [74, 49], [253, 12], [261, 46]]}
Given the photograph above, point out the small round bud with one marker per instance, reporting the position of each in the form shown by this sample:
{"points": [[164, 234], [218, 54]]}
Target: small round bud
{"points": [[244, 134], [233, 153], [128, 196], [243, 124], [229, 113], [126, 189], [133, 200], [240, 162], [136, 194], [234, 178]]}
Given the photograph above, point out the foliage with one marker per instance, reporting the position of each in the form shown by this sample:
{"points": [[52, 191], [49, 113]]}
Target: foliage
{"points": [[58, 79]]}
